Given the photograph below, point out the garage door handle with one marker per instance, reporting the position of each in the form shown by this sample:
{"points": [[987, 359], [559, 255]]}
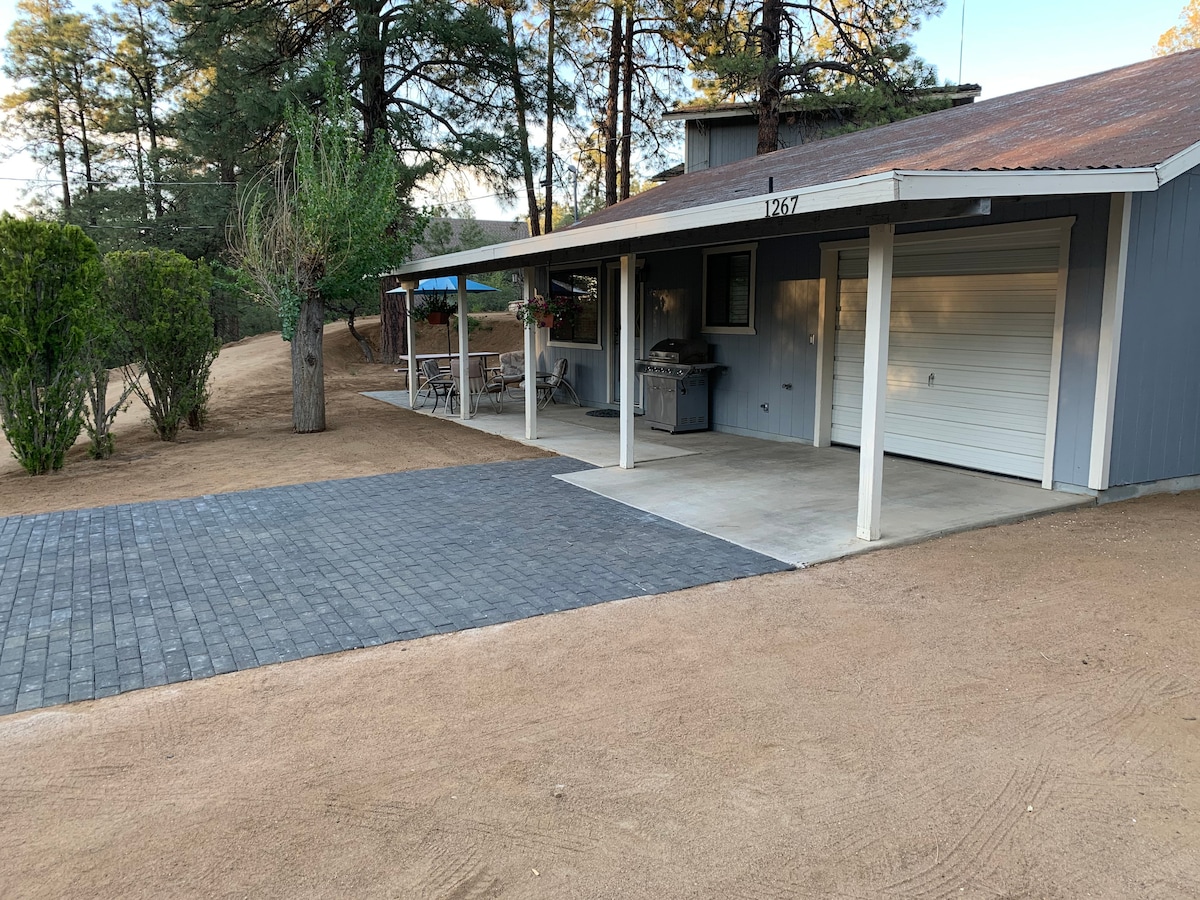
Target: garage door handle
{"points": [[931, 379]]}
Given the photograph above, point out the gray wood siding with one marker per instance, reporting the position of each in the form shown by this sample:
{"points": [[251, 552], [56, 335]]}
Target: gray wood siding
{"points": [[1156, 430], [758, 365]]}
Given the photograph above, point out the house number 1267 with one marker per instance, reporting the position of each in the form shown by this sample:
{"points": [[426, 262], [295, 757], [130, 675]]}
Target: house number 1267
{"points": [[781, 206]]}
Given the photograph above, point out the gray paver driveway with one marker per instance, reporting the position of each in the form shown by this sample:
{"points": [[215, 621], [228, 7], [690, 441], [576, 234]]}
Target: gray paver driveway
{"points": [[98, 601]]}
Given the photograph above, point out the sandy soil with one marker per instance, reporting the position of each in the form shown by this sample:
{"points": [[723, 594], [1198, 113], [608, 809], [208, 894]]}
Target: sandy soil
{"points": [[1006, 713], [248, 441]]}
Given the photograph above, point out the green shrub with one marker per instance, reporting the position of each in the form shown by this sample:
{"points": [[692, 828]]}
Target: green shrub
{"points": [[48, 278], [161, 298], [105, 350]]}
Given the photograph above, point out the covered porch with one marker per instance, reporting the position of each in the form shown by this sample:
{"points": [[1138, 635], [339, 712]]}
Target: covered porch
{"points": [[791, 501]]}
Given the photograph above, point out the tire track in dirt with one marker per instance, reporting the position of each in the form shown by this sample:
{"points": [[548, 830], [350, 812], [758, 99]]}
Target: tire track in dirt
{"points": [[972, 855], [450, 869]]}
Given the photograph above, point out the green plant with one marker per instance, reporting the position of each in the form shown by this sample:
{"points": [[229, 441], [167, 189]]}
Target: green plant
{"points": [[441, 304], [48, 276], [559, 307], [104, 349], [162, 300]]}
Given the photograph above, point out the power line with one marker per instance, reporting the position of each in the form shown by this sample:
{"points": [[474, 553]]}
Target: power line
{"points": [[56, 181]]}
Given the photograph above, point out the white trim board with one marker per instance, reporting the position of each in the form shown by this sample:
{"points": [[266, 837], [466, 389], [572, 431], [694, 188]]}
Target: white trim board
{"points": [[883, 187], [1111, 316]]}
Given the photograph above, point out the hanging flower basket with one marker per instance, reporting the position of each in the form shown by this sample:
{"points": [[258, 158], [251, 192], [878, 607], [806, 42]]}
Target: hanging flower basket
{"points": [[436, 310], [546, 313]]}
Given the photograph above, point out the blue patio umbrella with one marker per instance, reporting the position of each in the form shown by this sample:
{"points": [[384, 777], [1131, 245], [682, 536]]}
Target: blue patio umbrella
{"points": [[446, 284]]}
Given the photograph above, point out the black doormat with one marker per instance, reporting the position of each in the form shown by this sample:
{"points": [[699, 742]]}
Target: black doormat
{"points": [[607, 413]]}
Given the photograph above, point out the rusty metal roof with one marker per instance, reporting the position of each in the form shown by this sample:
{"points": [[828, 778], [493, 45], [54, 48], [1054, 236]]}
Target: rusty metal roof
{"points": [[1133, 117]]}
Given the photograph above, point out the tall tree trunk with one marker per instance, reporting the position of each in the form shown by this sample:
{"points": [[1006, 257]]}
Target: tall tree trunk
{"points": [[308, 367], [770, 78], [371, 51], [550, 105], [522, 101], [627, 105], [139, 165], [392, 333], [147, 80], [611, 142], [60, 142], [363, 344]]}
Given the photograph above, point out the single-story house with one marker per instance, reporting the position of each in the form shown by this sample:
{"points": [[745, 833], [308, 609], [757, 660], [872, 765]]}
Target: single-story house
{"points": [[1011, 286]]}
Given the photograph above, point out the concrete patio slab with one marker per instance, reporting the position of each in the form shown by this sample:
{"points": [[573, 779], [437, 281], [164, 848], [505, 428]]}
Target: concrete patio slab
{"points": [[798, 504], [786, 500]]}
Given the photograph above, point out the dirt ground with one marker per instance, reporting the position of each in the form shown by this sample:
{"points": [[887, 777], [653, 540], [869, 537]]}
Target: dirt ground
{"points": [[1010, 712], [248, 441]]}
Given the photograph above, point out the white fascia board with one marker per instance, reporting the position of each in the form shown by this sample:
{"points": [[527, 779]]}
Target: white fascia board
{"points": [[867, 190], [1183, 161], [696, 115], [918, 185]]}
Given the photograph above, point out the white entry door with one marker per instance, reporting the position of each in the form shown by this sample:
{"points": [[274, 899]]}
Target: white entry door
{"points": [[971, 350]]}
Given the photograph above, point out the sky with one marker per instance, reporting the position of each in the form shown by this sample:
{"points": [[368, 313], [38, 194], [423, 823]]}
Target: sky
{"points": [[1007, 46]]}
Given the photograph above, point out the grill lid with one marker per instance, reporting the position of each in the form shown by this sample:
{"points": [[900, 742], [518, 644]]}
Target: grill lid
{"points": [[687, 351]]}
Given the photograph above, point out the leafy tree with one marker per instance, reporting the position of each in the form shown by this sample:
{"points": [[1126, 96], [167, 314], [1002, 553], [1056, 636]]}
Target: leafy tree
{"points": [[136, 43], [318, 234], [769, 50], [1185, 35], [48, 277], [161, 298], [49, 57]]}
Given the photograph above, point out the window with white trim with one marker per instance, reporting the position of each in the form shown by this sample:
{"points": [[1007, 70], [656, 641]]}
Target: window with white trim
{"points": [[729, 290], [579, 289]]}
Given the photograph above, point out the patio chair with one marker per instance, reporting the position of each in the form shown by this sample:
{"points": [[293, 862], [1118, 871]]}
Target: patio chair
{"points": [[511, 370], [549, 384], [479, 385], [435, 383]]}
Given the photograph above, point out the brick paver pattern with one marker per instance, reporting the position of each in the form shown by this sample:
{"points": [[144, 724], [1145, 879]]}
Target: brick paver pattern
{"points": [[95, 602]]}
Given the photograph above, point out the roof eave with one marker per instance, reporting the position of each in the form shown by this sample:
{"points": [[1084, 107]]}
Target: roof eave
{"points": [[884, 187]]}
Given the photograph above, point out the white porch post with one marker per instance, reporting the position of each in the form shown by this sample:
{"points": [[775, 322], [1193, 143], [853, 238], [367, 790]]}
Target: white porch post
{"points": [[1111, 317], [628, 382], [874, 395], [411, 341], [530, 363], [464, 386]]}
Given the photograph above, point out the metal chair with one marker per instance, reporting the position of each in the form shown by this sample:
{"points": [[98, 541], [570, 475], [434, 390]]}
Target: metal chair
{"points": [[548, 384], [436, 384], [478, 386]]}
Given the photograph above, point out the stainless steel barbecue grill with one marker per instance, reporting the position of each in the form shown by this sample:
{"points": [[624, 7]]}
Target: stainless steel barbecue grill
{"points": [[676, 375]]}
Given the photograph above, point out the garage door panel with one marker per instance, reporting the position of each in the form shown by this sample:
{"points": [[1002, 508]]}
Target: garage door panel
{"points": [[987, 339], [987, 459], [925, 349], [1023, 429], [1035, 323], [985, 380], [996, 361]]}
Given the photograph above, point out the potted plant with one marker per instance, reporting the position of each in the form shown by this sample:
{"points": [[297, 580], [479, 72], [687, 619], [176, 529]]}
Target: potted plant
{"points": [[436, 310], [544, 313]]}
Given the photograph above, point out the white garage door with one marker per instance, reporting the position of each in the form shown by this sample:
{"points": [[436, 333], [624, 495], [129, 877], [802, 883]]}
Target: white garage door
{"points": [[971, 345]]}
